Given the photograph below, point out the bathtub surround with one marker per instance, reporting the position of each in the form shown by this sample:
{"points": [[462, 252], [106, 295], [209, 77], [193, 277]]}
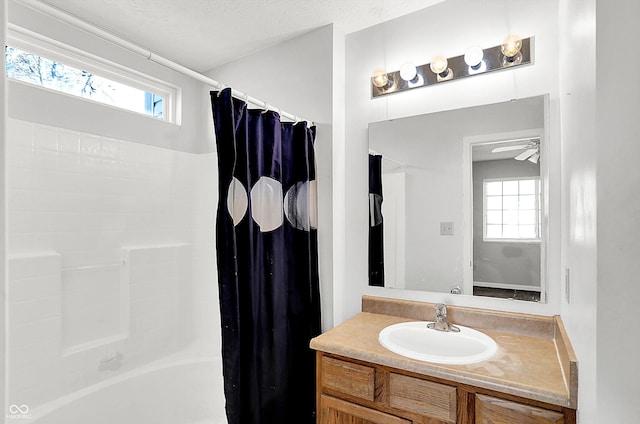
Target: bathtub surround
{"points": [[111, 362], [105, 268], [267, 255]]}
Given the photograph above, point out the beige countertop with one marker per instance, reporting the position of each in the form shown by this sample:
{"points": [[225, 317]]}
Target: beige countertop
{"points": [[525, 365]]}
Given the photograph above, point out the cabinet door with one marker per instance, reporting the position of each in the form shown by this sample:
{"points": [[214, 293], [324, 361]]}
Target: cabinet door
{"points": [[491, 410], [336, 411], [433, 400]]}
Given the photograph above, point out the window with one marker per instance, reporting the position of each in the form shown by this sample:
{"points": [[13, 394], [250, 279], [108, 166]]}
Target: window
{"points": [[153, 105], [512, 209], [71, 72]]}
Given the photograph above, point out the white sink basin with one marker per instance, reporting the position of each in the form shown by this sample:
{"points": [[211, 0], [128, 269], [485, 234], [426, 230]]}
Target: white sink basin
{"points": [[414, 340]]}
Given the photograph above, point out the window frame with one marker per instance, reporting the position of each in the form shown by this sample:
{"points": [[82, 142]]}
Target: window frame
{"points": [[48, 48], [538, 209]]}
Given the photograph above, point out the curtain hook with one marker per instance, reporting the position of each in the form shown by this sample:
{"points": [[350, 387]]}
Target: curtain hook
{"points": [[220, 88], [265, 107]]}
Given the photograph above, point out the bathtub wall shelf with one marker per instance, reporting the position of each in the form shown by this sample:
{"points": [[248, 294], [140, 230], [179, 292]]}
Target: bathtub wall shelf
{"points": [[67, 326]]}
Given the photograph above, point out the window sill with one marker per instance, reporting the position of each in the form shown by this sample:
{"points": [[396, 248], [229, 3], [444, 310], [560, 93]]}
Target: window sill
{"points": [[524, 241]]}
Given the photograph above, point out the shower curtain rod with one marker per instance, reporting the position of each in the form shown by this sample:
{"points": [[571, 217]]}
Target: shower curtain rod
{"points": [[149, 55]]}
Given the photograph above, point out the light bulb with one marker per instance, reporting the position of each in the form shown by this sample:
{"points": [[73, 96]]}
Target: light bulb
{"points": [[379, 78], [473, 57], [511, 46], [439, 65], [408, 71]]}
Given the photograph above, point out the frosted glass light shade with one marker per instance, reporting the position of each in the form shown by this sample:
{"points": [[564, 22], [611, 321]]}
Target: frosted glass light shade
{"points": [[511, 45], [408, 71], [379, 78], [439, 64], [473, 56]]}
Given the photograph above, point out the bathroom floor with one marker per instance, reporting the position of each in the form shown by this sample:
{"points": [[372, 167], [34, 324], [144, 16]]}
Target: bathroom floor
{"points": [[531, 296]]}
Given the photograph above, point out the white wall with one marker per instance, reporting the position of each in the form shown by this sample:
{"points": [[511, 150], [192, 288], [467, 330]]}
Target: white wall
{"points": [[579, 141], [618, 216], [296, 76], [448, 28], [339, 168]]}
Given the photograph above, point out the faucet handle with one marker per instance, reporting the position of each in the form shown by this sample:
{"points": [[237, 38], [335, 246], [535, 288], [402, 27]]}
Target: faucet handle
{"points": [[441, 311], [441, 322]]}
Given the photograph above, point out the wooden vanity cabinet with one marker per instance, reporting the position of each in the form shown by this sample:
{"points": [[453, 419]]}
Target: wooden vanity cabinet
{"points": [[356, 392]]}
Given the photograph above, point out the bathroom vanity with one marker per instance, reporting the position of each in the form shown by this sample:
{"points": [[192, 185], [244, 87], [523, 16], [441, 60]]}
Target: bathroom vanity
{"points": [[532, 379]]}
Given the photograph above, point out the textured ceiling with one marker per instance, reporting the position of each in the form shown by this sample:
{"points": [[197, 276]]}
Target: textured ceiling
{"points": [[202, 34]]}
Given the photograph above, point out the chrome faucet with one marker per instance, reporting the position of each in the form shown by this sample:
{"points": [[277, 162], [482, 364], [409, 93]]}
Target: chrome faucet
{"points": [[442, 323]]}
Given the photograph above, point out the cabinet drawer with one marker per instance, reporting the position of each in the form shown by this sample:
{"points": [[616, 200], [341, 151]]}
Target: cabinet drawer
{"points": [[336, 411], [351, 379], [491, 410], [423, 397]]}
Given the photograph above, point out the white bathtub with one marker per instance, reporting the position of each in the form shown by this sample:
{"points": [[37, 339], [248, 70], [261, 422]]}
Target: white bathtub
{"points": [[176, 390]]}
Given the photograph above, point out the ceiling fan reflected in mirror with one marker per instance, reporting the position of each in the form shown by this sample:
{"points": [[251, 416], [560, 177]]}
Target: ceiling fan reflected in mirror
{"points": [[531, 150]]}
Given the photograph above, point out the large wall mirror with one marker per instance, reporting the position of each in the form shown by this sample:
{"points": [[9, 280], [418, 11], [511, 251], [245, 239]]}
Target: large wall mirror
{"points": [[458, 201]]}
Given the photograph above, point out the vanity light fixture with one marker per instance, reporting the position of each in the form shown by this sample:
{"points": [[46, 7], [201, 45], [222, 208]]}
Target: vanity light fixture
{"points": [[513, 52]]}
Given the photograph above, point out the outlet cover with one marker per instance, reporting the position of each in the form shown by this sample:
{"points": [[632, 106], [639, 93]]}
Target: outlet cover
{"points": [[446, 228]]}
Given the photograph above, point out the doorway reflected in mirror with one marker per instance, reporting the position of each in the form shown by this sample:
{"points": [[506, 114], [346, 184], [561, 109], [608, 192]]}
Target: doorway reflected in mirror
{"points": [[507, 219]]}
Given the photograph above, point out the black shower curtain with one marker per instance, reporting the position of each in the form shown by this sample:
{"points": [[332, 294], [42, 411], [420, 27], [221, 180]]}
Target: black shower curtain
{"points": [[266, 241], [376, 230]]}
